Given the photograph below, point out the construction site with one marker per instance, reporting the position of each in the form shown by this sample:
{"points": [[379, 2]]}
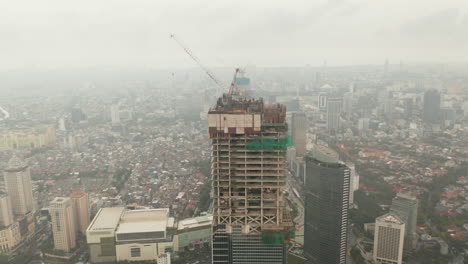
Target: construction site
{"points": [[249, 142], [251, 220]]}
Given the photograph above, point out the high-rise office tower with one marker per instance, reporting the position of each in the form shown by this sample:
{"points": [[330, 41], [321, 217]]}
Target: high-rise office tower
{"points": [[431, 108], [406, 207], [389, 239], [299, 125], [63, 223], [251, 222], [18, 186], [6, 213], [81, 209], [326, 207], [333, 113]]}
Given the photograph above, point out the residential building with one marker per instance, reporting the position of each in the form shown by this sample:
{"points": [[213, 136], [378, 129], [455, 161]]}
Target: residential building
{"points": [[6, 212], [250, 219], [389, 239], [63, 223], [18, 186], [10, 237], [81, 208], [327, 192], [27, 138]]}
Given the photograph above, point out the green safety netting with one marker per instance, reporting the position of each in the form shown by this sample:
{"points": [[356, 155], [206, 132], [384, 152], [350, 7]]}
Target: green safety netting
{"points": [[272, 238], [280, 143]]}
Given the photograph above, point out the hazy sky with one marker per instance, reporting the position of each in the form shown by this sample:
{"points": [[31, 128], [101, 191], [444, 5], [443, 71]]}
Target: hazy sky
{"points": [[129, 33]]}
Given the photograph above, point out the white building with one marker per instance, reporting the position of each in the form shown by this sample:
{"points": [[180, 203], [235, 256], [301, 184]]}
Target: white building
{"points": [[389, 239], [63, 223], [144, 234], [116, 234], [100, 235], [354, 181]]}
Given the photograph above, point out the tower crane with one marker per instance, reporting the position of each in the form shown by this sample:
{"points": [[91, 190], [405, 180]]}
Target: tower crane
{"points": [[205, 69], [233, 83]]}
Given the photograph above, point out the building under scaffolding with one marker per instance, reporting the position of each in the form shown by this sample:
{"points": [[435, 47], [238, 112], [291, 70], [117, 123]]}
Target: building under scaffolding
{"points": [[251, 221]]}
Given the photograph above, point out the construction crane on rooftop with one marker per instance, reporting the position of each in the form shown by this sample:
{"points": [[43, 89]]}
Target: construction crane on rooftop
{"points": [[205, 69]]}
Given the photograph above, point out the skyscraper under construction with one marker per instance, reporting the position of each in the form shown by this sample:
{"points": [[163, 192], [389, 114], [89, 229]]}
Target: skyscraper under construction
{"points": [[251, 222]]}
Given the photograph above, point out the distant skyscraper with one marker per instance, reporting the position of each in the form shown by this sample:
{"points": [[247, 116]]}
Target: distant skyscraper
{"points": [[333, 113], [408, 104], [326, 207], [299, 126], [348, 103], [251, 222], [6, 213], [389, 239], [363, 124], [431, 109], [18, 186], [81, 208], [406, 207], [322, 101], [388, 104], [115, 114], [63, 223], [77, 115]]}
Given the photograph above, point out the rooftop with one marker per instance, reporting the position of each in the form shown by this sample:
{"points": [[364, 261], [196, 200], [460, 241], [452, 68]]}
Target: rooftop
{"points": [[59, 200], [16, 163], [106, 218], [77, 194], [390, 218], [195, 222], [145, 220]]}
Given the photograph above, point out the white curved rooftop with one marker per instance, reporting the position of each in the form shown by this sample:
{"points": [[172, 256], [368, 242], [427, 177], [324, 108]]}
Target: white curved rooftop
{"points": [[16, 163]]}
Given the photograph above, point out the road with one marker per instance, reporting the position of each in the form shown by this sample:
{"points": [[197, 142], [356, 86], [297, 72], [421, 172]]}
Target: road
{"points": [[299, 219]]}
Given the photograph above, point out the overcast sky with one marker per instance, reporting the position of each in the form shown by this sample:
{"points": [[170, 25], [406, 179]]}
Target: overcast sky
{"points": [[135, 33]]}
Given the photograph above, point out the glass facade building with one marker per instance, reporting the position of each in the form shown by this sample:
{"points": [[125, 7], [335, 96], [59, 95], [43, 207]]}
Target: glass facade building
{"points": [[326, 210]]}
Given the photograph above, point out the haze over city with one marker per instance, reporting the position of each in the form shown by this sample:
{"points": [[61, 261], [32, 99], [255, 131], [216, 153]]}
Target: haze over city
{"points": [[220, 132], [55, 34]]}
